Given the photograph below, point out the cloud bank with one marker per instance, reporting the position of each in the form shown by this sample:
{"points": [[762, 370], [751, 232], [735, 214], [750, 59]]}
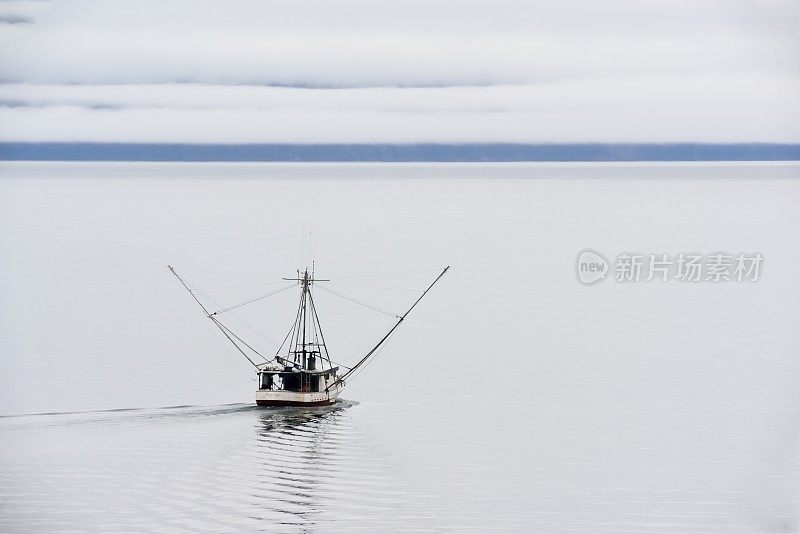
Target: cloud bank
{"points": [[374, 71]]}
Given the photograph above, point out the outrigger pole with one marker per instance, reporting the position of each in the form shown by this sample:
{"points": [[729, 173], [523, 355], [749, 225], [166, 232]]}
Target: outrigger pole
{"points": [[211, 316], [389, 333]]}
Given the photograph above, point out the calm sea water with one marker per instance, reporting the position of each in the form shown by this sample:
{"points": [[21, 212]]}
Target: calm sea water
{"points": [[514, 399]]}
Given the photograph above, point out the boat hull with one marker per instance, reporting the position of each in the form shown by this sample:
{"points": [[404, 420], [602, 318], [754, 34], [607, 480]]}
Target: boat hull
{"points": [[296, 398], [269, 402]]}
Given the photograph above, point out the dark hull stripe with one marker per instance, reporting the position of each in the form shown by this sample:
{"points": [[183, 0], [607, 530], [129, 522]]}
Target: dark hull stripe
{"points": [[293, 403]]}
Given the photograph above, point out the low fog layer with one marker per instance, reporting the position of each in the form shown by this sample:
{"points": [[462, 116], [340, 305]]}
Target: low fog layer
{"points": [[475, 71]]}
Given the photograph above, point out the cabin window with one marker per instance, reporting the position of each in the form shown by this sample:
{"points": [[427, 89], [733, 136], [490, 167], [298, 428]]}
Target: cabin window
{"points": [[291, 382], [265, 381]]}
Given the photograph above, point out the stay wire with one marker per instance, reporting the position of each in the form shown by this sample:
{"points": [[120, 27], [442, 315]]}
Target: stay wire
{"points": [[228, 273], [370, 360], [383, 274], [245, 303], [351, 299], [372, 287], [239, 285], [231, 332]]}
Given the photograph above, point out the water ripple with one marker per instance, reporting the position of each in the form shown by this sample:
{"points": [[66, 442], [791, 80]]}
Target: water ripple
{"points": [[222, 469]]}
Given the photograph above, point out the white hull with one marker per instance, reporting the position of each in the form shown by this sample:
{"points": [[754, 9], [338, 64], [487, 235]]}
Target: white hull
{"points": [[296, 398]]}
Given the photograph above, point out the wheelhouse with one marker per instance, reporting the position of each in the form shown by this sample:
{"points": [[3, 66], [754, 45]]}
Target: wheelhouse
{"points": [[301, 381]]}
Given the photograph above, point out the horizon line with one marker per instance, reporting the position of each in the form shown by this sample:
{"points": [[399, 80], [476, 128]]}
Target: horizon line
{"points": [[397, 152]]}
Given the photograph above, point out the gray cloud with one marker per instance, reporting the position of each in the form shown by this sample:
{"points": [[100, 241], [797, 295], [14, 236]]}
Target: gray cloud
{"points": [[719, 70]]}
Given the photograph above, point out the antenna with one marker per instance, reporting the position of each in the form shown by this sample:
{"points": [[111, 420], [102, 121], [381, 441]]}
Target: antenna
{"points": [[302, 246]]}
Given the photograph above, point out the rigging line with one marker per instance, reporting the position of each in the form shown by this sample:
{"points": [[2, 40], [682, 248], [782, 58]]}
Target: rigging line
{"points": [[313, 324], [321, 335], [240, 285], [314, 332], [234, 343], [231, 332], [351, 299], [369, 361], [240, 365], [295, 327], [225, 272], [244, 323], [245, 303], [359, 350], [305, 317], [385, 274], [284, 341], [287, 336], [396, 325], [242, 369], [207, 315], [371, 287]]}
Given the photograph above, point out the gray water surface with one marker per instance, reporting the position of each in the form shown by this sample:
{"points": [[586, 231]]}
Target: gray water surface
{"points": [[513, 399], [372, 467]]}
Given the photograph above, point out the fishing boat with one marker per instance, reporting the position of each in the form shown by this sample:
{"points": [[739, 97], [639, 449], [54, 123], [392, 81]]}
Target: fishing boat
{"points": [[302, 372]]}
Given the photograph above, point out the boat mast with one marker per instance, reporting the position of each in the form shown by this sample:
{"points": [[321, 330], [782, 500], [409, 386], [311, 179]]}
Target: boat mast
{"points": [[301, 354], [305, 304]]}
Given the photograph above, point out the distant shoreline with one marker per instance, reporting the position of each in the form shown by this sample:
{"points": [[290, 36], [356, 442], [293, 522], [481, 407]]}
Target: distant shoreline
{"points": [[423, 152]]}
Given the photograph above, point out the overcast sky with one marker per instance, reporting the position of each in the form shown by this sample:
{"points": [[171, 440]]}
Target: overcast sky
{"points": [[411, 71]]}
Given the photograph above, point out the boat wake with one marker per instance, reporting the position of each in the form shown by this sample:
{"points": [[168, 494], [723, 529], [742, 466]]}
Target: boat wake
{"points": [[232, 467]]}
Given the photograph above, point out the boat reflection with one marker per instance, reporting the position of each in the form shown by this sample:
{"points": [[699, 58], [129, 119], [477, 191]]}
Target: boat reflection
{"points": [[296, 461]]}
